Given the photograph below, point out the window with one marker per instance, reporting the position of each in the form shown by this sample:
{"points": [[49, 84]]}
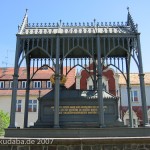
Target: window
{"points": [[104, 86], [32, 106], [24, 84], [18, 105], [44, 68], [10, 84], [37, 84], [49, 85], [89, 83], [1, 84], [90, 87], [134, 95], [105, 83]]}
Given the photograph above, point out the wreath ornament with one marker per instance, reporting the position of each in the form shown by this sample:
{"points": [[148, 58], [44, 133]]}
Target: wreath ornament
{"points": [[63, 79], [52, 79]]}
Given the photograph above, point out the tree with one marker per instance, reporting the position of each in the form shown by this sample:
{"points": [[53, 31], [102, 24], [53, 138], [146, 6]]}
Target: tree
{"points": [[4, 121]]}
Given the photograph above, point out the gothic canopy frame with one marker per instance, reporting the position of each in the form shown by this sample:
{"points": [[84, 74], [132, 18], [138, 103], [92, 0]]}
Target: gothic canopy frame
{"points": [[61, 44]]}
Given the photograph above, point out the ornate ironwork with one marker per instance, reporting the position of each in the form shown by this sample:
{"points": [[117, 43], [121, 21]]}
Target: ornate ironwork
{"points": [[75, 44]]}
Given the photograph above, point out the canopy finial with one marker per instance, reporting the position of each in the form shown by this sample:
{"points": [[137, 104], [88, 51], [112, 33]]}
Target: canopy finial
{"points": [[26, 10], [128, 9]]}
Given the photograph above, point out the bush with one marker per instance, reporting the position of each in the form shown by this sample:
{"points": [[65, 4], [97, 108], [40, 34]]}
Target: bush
{"points": [[4, 121]]}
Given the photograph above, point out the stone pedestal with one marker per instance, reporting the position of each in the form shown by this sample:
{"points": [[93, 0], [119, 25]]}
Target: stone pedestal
{"points": [[104, 143], [77, 109]]}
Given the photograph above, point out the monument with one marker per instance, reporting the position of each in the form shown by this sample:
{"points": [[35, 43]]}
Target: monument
{"points": [[68, 113], [78, 109]]}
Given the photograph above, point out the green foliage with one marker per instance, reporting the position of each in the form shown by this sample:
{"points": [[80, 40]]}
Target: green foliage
{"points": [[4, 121]]}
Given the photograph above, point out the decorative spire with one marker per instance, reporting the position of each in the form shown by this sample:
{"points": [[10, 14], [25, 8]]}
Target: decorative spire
{"points": [[128, 9], [24, 23], [26, 10], [94, 21], [130, 21], [60, 21]]}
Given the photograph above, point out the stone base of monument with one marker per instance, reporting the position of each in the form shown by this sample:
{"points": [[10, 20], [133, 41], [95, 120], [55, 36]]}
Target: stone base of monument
{"points": [[79, 126], [76, 139], [77, 132], [78, 109], [79, 144]]}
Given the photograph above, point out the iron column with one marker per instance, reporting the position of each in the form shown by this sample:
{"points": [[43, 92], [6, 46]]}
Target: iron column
{"points": [[129, 100], [15, 86], [100, 89], [57, 84], [129, 87], [142, 83], [27, 93]]}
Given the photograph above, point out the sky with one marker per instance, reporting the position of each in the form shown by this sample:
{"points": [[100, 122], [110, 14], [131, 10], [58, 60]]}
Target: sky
{"points": [[45, 11]]}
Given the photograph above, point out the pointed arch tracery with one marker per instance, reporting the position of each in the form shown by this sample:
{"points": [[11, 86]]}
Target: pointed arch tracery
{"points": [[86, 54], [112, 60]]}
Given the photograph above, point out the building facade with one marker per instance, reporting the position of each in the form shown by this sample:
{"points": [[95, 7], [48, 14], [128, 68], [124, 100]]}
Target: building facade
{"points": [[113, 83], [135, 98], [39, 86]]}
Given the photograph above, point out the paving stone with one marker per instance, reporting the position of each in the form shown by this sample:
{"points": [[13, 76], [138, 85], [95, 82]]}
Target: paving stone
{"points": [[36, 147], [62, 148], [52, 147], [96, 147], [141, 146], [147, 146], [74, 147], [6, 148], [127, 146], [118, 147], [107, 147], [23, 148], [86, 147]]}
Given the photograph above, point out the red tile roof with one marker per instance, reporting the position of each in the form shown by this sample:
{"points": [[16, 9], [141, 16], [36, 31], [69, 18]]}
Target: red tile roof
{"points": [[134, 78], [7, 74]]}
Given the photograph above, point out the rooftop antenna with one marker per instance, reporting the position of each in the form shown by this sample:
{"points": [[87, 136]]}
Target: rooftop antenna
{"points": [[6, 59], [3, 62]]}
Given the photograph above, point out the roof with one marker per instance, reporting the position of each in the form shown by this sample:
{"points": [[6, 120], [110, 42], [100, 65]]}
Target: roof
{"points": [[54, 29], [134, 79], [7, 75], [75, 28]]}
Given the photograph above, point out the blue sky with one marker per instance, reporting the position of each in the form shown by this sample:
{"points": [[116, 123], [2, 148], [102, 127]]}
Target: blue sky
{"points": [[45, 11]]}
